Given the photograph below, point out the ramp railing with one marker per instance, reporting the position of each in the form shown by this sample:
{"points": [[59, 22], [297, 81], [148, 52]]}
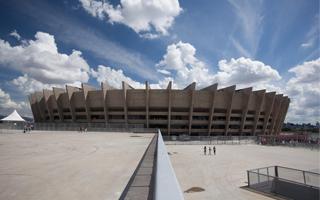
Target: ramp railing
{"points": [[286, 182], [167, 186]]}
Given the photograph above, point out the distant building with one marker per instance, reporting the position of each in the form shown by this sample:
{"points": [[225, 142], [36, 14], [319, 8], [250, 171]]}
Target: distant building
{"points": [[208, 111]]}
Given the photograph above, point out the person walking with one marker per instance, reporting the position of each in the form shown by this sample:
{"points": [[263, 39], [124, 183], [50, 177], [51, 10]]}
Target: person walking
{"points": [[214, 150], [209, 150], [205, 150]]}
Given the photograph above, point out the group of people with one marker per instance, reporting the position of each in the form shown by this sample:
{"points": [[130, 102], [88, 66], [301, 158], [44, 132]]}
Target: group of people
{"points": [[27, 128], [205, 150], [82, 129]]}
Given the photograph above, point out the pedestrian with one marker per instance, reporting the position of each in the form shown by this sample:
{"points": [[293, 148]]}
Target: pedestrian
{"points": [[205, 150], [214, 150], [209, 150]]}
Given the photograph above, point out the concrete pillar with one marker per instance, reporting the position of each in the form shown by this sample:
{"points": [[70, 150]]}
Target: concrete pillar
{"points": [[283, 112], [70, 91], [169, 88], [105, 87], [247, 95], [260, 100], [147, 103], [213, 90], [191, 88], [270, 97], [38, 96], [57, 92], [46, 95], [34, 107], [85, 89], [230, 91], [275, 113], [125, 87]]}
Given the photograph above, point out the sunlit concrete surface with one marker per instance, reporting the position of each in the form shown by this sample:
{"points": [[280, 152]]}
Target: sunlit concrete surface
{"points": [[68, 165], [222, 175]]}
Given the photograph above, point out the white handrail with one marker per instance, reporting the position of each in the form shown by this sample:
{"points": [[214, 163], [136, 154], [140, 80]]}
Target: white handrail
{"points": [[167, 186]]}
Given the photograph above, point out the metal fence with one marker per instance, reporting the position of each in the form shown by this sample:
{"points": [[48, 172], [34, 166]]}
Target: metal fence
{"points": [[208, 140], [305, 141], [284, 181]]}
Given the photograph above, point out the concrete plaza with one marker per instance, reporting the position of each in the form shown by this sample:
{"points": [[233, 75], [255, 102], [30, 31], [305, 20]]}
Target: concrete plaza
{"points": [[68, 165], [222, 175]]}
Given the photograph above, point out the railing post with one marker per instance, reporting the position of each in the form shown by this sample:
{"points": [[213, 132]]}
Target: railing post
{"points": [[304, 177], [248, 178], [258, 176], [276, 171]]}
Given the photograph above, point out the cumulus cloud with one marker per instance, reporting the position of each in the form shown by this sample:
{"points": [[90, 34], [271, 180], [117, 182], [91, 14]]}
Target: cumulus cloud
{"points": [[7, 105], [113, 77], [41, 66], [41, 60], [149, 19], [29, 85], [181, 66], [304, 91], [180, 62], [245, 72]]}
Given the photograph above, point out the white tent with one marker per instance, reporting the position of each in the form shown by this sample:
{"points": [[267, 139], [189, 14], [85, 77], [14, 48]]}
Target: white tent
{"points": [[13, 117]]}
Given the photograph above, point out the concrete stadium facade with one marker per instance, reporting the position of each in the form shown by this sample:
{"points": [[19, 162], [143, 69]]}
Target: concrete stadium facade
{"points": [[208, 111]]}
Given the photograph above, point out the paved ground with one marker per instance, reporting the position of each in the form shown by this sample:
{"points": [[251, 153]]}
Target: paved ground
{"points": [[68, 165], [223, 174]]}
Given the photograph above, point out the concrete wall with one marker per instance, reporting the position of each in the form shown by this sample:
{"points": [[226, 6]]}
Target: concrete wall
{"points": [[208, 111]]}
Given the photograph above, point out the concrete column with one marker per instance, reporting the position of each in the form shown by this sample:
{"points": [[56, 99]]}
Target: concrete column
{"points": [[260, 100], [247, 95], [270, 97], [70, 91], [284, 115], [213, 90], [46, 95], [38, 97], [275, 113], [192, 89], [230, 90], [283, 111], [57, 92], [125, 87], [34, 108], [169, 88], [147, 104], [85, 89], [105, 87]]}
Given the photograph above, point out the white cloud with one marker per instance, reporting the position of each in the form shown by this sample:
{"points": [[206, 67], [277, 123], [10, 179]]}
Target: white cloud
{"points": [[41, 60], [181, 66], [181, 63], [15, 34], [6, 102], [42, 67], [113, 77], [7, 105], [304, 91], [312, 35], [245, 72], [148, 18], [249, 19], [29, 85]]}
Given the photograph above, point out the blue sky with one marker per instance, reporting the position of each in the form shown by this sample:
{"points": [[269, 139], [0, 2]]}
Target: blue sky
{"points": [[264, 44]]}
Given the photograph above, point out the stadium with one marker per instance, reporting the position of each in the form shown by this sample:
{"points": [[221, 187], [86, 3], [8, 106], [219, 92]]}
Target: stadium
{"points": [[205, 112]]}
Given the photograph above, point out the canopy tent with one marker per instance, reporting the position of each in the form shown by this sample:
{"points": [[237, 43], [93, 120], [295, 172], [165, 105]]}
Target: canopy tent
{"points": [[13, 117]]}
